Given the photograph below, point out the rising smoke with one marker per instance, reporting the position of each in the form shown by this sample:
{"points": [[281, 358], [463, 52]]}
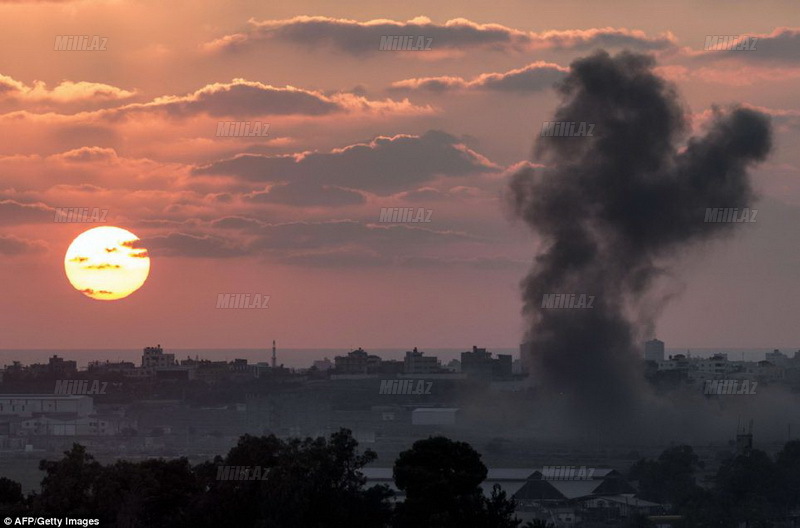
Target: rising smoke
{"points": [[613, 210]]}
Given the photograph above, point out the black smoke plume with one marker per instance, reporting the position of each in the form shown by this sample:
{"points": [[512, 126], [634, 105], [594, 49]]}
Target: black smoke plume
{"points": [[613, 210]]}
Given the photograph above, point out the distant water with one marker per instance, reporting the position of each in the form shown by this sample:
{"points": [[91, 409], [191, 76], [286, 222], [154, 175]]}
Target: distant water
{"points": [[305, 357]]}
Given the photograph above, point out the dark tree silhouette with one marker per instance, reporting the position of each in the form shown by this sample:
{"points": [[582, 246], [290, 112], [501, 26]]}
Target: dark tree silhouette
{"points": [[441, 479], [670, 479], [68, 488], [312, 482]]}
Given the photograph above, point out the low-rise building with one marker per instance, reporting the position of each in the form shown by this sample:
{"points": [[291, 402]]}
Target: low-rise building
{"points": [[480, 364], [417, 362], [31, 404], [357, 362]]}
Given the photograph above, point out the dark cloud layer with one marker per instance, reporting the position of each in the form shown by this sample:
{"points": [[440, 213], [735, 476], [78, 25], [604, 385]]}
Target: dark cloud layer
{"points": [[383, 166], [460, 34]]}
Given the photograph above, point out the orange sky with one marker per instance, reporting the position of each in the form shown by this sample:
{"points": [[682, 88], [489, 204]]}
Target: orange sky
{"points": [[295, 214]]}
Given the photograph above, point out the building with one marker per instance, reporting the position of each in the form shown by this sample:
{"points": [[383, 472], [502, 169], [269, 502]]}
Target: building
{"points": [[392, 367], [155, 357], [357, 362], [715, 367], [175, 373], [69, 426], [418, 363], [604, 496], [604, 500], [676, 362], [27, 405], [323, 365], [480, 364], [116, 367], [778, 358], [654, 350], [62, 367]]}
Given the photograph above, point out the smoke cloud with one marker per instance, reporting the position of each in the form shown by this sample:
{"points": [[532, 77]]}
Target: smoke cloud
{"points": [[613, 209]]}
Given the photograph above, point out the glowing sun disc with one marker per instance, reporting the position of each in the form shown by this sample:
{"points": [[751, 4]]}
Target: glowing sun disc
{"points": [[104, 263]]}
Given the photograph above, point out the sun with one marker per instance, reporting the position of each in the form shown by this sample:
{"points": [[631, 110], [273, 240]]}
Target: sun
{"points": [[104, 263]]}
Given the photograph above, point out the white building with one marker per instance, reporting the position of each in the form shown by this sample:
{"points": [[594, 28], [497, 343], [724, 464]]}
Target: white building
{"points": [[76, 426], [26, 405], [715, 367]]}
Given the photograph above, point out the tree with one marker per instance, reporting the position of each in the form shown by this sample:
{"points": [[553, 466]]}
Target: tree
{"points": [[441, 479], [312, 482], [747, 489], [152, 493], [12, 502], [670, 479], [788, 468], [69, 486]]}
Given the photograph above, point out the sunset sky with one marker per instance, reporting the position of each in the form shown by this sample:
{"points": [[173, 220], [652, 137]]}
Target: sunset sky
{"points": [[352, 129]]}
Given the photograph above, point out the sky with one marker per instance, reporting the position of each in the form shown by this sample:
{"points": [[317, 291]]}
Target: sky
{"points": [[131, 130]]}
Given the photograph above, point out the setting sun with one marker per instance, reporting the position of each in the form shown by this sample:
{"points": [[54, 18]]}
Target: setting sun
{"points": [[102, 263]]}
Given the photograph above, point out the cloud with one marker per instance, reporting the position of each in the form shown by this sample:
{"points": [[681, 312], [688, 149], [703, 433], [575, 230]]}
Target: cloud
{"points": [[188, 245], [298, 194], [65, 92], [337, 258], [237, 222], [458, 34], [781, 46], [531, 78], [346, 233], [243, 98], [15, 213], [88, 155], [12, 246], [383, 166]]}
